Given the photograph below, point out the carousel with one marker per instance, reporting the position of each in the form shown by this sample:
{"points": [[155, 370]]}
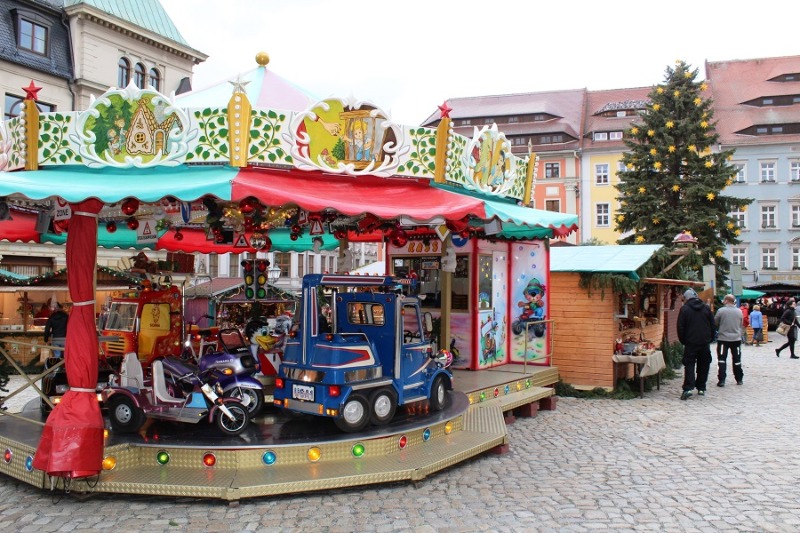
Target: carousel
{"points": [[250, 166]]}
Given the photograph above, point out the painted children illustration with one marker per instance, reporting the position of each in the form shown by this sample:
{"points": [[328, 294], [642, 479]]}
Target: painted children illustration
{"points": [[362, 144]]}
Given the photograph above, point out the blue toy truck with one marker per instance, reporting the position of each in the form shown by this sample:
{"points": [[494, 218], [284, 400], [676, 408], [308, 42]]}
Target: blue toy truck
{"points": [[369, 356]]}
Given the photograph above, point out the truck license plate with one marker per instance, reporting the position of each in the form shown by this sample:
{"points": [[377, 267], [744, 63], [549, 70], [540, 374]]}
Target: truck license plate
{"points": [[303, 392]]}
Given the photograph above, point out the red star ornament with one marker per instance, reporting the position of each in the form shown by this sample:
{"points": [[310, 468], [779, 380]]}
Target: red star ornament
{"points": [[444, 109], [31, 91]]}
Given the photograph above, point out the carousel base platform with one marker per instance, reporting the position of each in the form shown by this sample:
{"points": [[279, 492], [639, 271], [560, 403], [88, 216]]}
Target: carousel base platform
{"points": [[282, 455]]}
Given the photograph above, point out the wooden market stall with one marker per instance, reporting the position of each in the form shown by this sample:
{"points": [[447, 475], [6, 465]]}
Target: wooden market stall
{"points": [[603, 335]]}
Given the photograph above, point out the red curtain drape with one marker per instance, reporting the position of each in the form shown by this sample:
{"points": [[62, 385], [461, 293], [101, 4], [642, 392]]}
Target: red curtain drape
{"points": [[72, 440]]}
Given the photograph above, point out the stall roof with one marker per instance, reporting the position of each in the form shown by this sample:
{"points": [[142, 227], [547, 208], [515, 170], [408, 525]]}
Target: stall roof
{"points": [[229, 288], [622, 259]]}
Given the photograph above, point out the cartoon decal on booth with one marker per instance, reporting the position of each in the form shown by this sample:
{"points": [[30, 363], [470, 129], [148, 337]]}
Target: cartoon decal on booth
{"points": [[350, 138], [490, 167], [532, 309], [133, 127]]}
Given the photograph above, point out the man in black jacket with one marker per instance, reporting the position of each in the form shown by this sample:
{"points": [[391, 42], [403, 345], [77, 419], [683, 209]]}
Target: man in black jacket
{"points": [[695, 331], [56, 328]]}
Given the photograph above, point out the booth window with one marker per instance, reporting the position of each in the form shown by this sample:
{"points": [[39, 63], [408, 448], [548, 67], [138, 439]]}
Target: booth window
{"points": [[427, 270], [484, 282]]}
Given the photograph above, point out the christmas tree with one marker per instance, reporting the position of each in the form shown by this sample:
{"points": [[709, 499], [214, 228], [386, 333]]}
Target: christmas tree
{"points": [[674, 175]]}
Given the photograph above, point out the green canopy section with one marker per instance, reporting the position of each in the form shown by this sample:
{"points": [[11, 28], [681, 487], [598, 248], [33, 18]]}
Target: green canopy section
{"points": [[750, 294], [111, 185]]}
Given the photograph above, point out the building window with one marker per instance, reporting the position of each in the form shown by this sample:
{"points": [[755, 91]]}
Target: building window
{"points": [[13, 106], [615, 135], [601, 212], [138, 75], [552, 170], [768, 216], [552, 205], [739, 257], [601, 174], [283, 260], [32, 36], [301, 265], [213, 265], [767, 172], [769, 257], [155, 79], [512, 120], [796, 216], [739, 176], [235, 265], [795, 257], [123, 73], [794, 171], [466, 122], [739, 219], [601, 136]]}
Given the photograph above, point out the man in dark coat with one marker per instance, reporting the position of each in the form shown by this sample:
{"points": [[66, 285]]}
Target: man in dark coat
{"points": [[695, 332], [56, 328]]}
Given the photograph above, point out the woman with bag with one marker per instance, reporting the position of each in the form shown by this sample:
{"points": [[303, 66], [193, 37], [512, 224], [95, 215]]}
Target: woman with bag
{"points": [[789, 321]]}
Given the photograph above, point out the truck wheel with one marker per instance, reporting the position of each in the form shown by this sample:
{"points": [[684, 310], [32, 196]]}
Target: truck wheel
{"points": [[232, 426], [516, 327], [438, 394], [255, 397], [355, 414], [123, 414], [384, 405]]}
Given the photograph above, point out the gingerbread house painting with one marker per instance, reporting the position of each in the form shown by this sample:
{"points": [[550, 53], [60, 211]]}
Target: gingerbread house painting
{"points": [[146, 134]]}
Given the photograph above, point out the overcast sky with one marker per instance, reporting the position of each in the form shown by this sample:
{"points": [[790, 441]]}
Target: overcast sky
{"points": [[408, 56]]}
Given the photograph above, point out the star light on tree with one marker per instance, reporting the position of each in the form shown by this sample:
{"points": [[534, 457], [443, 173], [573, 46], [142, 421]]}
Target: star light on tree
{"points": [[683, 188]]}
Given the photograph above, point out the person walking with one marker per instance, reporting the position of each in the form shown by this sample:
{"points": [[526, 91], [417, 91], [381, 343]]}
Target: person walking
{"points": [[729, 320], [695, 332], [757, 323], [745, 321], [56, 328], [789, 317]]}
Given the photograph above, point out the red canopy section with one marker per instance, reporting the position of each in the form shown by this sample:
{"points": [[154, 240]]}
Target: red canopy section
{"points": [[382, 197]]}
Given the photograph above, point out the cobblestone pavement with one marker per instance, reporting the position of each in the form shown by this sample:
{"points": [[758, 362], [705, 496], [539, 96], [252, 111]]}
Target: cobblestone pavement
{"points": [[728, 461]]}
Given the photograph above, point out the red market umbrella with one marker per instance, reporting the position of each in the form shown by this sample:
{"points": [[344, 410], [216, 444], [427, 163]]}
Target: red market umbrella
{"points": [[72, 441]]}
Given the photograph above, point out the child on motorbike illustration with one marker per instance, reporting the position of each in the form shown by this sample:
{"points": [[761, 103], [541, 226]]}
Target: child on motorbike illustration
{"points": [[532, 308]]}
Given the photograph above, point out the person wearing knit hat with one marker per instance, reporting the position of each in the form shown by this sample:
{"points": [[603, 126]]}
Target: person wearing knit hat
{"points": [[695, 332]]}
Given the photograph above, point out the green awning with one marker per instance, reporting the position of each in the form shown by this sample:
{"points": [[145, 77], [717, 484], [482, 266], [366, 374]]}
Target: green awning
{"points": [[77, 183], [750, 294]]}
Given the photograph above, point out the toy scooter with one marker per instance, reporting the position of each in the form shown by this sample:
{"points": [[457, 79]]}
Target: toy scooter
{"points": [[131, 399], [232, 370]]}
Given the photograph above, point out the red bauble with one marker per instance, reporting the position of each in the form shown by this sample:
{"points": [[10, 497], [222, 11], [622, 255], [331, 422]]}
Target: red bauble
{"points": [[248, 205], [296, 228], [465, 234], [130, 206], [133, 223], [178, 236], [216, 230], [219, 237], [340, 234], [111, 227], [294, 236]]}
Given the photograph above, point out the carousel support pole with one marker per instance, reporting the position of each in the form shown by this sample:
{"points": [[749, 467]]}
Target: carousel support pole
{"points": [[446, 299], [239, 121], [442, 135], [530, 176], [31, 114]]}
